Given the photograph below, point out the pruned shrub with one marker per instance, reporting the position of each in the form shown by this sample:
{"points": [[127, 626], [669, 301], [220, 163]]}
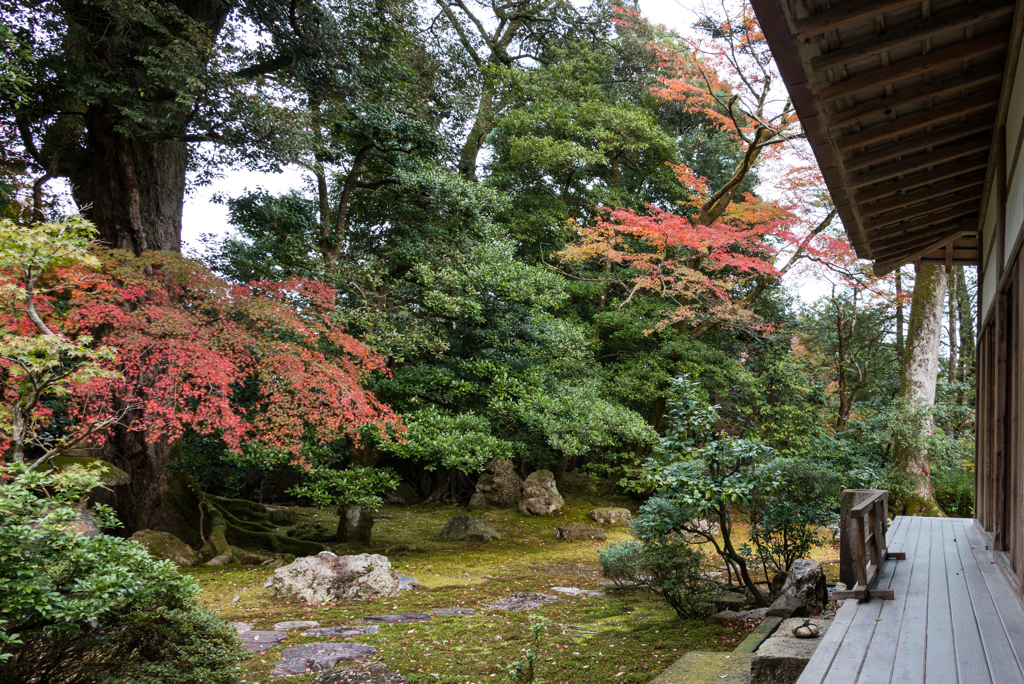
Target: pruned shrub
{"points": [[78, 609]]}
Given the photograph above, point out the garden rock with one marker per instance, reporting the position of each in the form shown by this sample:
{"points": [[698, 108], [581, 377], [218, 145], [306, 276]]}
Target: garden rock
{"points": [[398, 618], [782, 658], [258, 641], [241, 627], [371, 673], [806, 582], [343, 631], [579, 532], [454, 612], [165, 546], [524, 600], [327, 577], [730, 601], [786, 606], [355, 524], [611, 516], [300, 660], [296, 624], [464, 527], [407, 583], [540, 495], [498, 486]]}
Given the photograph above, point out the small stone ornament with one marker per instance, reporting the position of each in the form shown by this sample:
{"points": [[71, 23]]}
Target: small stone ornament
{"points": [[808, 630]]}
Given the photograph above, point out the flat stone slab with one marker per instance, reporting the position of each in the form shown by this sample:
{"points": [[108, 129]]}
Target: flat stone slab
{"points": [[397, 618], [524, 600], [576, 591], [705, 668], [782, 658], [758, 636], [308, 658], [342, 631], [755, 614], [241, 627], [258, 641], [296, 624], [406, 583], [371, 673], [453, 612]]}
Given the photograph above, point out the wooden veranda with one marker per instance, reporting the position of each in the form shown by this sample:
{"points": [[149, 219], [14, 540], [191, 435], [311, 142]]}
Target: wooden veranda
{"points": [[953, 616]]}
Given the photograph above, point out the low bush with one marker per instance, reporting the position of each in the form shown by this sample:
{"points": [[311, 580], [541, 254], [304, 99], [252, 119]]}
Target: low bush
{"points": [[78, 609], [664, 560]]}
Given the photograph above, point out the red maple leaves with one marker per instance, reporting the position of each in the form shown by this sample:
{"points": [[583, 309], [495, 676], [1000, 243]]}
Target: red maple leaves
{"points": [[260, 362]]}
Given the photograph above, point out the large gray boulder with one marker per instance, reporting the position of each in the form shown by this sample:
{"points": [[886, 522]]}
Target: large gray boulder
{"points": [[540, 495], [165, 546], [327, 577], [464, 527], [499, 486], [806, 583]]}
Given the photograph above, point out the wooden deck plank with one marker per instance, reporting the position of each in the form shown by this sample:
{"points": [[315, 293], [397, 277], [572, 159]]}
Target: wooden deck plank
{"points": [[971, 664], [849, 657], [1006, 603], [881, 655], [1002, 660], [940, 651], [908, 663], [954, 617], [821, 662]]}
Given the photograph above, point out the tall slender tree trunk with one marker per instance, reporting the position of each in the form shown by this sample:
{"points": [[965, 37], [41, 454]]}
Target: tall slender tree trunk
{"points": [[967, 342], [917, 386], [899, 311], [953, 339]]}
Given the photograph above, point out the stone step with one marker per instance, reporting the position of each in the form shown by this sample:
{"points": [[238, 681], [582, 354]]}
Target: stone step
{"points": [[705, 668]]}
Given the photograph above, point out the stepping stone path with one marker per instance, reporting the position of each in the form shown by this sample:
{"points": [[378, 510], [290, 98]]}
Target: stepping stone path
{"points": [[398, 618], [406, 583], [241, 627], [258, 641], [453, 612], [524, 600], [373, 673], [300, 660], [296, 624], [343, 631], [575, 591]]}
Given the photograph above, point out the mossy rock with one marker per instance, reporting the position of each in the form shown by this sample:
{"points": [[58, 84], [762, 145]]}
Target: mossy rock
{"points": [[467, 528], [165, 546], [283, 517], [111, 475], [312, 532]]}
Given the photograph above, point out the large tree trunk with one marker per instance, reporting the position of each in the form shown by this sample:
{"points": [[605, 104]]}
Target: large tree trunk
{"points": [[917, 386], [133, 189]]}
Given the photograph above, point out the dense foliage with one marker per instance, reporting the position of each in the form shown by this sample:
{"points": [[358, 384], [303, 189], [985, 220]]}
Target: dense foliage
{"points": [[76, 608], [557, 235]]}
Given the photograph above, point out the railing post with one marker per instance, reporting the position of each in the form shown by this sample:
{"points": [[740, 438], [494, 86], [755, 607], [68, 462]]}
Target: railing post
{"points": [[848, 534]]}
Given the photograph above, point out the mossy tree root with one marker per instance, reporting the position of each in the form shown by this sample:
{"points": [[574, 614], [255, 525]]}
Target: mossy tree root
{"points": [[255, 534]]}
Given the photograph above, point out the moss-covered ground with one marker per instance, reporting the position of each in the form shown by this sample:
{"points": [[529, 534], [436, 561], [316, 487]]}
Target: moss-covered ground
{"points": [[628, 637]]}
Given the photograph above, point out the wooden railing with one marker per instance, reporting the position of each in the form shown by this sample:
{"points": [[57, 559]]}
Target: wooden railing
{"points": [[870, 520]]}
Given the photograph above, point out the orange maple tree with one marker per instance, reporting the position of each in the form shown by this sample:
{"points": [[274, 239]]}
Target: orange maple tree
{"points": [[718, 252]]}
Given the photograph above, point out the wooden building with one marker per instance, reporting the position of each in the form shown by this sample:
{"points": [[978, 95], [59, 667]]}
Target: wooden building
{"points": [[915, 112]]}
